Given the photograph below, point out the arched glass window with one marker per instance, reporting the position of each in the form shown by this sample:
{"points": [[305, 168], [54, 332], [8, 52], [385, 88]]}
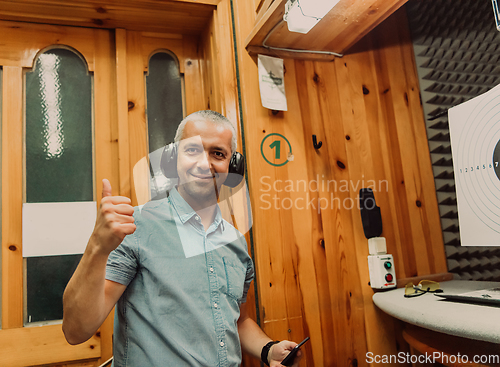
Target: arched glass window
{"points": [[164, 98], [59, 163]]}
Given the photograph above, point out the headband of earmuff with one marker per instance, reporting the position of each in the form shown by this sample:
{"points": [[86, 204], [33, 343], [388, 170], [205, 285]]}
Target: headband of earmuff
{"points": [[168, 165]]}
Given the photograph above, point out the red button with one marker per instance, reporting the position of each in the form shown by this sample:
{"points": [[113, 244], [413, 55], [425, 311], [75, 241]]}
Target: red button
{"points": [[388, 277]]}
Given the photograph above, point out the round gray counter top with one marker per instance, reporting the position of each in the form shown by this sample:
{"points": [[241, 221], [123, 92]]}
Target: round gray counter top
{"points": [[473, 321]]}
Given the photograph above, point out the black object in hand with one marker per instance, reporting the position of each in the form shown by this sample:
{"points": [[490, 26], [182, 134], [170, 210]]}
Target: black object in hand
{"points": [[290, 358]]}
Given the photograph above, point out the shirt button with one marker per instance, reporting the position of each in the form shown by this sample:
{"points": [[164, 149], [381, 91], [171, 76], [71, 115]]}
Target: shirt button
{"points": [[211, 270], [197, 218], [215, 305], [221, 344]]}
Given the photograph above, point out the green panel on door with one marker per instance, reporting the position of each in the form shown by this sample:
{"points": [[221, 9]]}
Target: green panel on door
{"points": [[59, 129], [59, 163], [46, 279], [164, 113], [164, 99]]}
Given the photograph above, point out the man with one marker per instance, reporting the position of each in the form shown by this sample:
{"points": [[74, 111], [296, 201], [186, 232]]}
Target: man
{"points": [[178, 272]]}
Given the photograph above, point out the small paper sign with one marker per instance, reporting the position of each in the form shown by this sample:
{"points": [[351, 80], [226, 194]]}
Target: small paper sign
{"points": [[272, 83]]}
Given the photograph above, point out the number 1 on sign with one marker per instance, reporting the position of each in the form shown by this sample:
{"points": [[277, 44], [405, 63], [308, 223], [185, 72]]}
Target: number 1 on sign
{"points": [[276, 144]]}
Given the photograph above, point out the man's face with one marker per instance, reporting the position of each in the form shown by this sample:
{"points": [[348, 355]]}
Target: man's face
{"points": [[203, 160]]}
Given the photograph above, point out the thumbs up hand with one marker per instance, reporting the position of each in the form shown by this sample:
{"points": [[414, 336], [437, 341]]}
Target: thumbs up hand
{"points": [[106, 188], [114, 220]]}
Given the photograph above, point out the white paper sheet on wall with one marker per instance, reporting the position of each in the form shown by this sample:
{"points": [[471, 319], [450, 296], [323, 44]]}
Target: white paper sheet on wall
{"points": [[272, 83], [57, 228], [475, 144]]}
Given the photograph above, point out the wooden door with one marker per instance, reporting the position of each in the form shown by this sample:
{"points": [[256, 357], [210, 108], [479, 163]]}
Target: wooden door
{"points": [[118, 64], [23, 342]]}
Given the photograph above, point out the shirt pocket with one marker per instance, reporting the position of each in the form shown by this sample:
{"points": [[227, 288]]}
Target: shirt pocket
{"points": [[235, 278]]}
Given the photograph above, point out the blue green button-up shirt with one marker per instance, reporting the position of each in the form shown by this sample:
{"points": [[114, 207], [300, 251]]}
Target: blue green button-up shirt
{"points": [[184, 288]]}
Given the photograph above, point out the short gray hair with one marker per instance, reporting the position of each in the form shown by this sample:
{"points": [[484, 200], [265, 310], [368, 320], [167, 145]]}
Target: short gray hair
{"points": [[212, 116]]}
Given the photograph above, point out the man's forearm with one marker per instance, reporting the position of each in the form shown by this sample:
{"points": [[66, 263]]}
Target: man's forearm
{"points": [[88, 297], [252, 337], [84, 297]]}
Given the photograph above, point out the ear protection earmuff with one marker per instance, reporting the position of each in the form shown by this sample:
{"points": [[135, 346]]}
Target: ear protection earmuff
{"points": [[168, 165], [168, 162]]}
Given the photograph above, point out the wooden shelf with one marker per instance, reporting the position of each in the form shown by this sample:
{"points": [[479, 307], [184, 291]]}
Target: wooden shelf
{"points": [[341, 28]]}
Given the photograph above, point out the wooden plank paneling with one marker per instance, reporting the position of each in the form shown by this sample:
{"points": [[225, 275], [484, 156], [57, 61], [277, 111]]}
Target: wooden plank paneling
{"points": [[276, 250], [188, 17], [360, 118], [105, 125], [262, 7], [409, 156], [122, 107], [43, 345], [12, 197], [419, 190], [40, 36], [194, 91], [426, 199], [365, 109], [334, 245], [405, 264], [154, 42], [388, 175], [311, 260], [225, 62], [264, 24], [137, 119], [107, 136], [84, 363], [210, 72]]}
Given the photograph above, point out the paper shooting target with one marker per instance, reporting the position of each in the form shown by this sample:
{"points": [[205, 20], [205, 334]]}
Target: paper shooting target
{"points": [[475, 143]]}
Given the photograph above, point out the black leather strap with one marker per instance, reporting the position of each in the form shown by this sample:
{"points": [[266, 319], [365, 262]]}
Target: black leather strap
{"points": [[265, 351]]}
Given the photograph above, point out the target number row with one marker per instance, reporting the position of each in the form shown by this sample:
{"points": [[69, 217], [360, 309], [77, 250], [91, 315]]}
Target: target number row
{"points": [[477, 168]]}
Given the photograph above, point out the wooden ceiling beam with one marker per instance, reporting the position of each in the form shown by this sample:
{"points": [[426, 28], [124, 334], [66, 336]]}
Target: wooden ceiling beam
{"points": [[172, 16]]}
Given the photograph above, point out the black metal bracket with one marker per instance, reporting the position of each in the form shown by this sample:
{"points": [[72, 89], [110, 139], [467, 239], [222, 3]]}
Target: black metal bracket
{"points": [[316, 144]]}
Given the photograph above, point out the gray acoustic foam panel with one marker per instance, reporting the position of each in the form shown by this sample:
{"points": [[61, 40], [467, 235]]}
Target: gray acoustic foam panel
{"points": [[457, 52]]}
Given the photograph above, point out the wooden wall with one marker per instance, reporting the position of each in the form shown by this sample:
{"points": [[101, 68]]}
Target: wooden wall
{"points": [[312, 272], [312, 275]]}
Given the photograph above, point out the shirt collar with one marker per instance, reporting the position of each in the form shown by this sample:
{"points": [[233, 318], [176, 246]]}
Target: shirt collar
{"points": [[184, 210]]}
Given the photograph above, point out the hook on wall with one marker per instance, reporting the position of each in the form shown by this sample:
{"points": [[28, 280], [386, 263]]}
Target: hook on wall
{"points": [[317, 144]]}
